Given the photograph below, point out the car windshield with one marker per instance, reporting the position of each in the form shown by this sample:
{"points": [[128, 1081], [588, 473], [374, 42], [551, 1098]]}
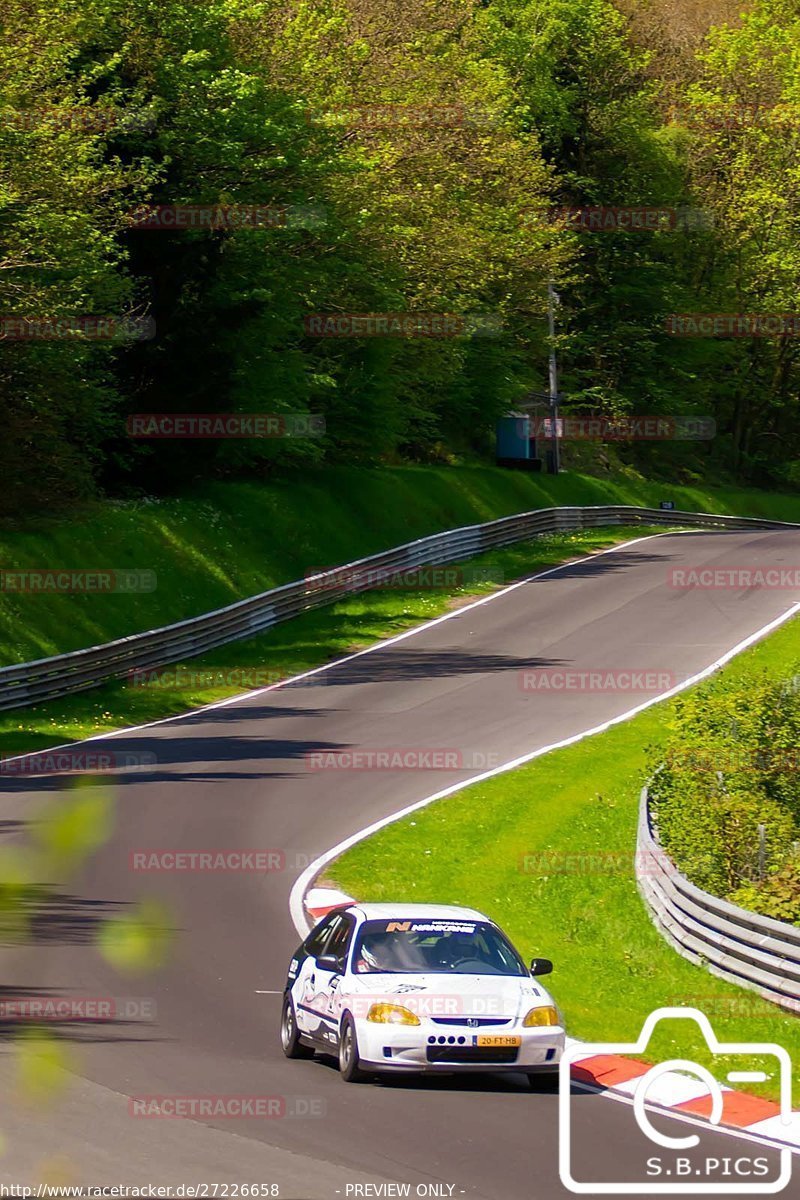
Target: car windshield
{"points": [[433, 946]]}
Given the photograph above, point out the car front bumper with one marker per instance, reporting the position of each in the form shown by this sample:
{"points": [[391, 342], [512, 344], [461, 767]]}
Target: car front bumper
{"points": [[430, 1048]]}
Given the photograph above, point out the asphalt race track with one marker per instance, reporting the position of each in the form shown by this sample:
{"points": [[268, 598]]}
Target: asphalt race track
{"points": [[237, 777]]}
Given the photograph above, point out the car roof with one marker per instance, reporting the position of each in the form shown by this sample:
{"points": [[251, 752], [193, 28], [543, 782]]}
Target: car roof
{"points": [[398, 911]]}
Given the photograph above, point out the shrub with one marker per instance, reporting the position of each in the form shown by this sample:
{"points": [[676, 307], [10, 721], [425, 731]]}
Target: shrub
{"points": [[730, 767]]}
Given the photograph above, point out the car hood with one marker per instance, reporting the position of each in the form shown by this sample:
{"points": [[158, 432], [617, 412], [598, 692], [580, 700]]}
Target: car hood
{"points": [[453, 995]]}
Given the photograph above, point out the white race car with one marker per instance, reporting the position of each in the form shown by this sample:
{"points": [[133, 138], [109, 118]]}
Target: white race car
{"points": [[418, 987]]}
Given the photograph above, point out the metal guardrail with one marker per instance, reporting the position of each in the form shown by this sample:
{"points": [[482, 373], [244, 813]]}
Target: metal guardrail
{"points": [[733, 943], [49, 678]]}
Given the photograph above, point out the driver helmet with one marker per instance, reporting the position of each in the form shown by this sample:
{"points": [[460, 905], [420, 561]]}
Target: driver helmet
{"points": [[376, 954]]}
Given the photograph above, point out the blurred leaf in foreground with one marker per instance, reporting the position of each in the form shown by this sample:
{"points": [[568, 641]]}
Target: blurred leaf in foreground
{"points": [[138, 941]]}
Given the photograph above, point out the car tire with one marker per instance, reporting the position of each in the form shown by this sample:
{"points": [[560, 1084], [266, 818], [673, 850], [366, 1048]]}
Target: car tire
{"points": [[349, 1062], [290, 1035]]}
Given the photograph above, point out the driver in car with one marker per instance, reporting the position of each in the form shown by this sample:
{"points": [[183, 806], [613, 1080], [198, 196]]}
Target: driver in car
{"points": [[376, 954], [456, 949]]}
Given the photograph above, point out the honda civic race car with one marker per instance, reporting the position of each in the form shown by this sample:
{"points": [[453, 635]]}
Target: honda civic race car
{"points": [[418, 987]]}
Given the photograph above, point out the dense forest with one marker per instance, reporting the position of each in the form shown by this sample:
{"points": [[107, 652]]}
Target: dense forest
{"points": [[194, 196]]}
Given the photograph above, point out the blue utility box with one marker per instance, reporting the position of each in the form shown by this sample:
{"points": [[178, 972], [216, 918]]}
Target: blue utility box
{"points": [[516, 443]]}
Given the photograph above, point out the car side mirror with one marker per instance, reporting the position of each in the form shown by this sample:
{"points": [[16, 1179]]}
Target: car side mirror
{"points": [[329, 962], [541, 966]]}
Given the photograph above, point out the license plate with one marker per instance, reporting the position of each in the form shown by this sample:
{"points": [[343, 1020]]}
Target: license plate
{"points": [[498, 1039]]}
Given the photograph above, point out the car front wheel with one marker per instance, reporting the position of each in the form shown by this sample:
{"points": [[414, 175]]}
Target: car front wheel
{"points": [[349, 1063], [290, 1036]]}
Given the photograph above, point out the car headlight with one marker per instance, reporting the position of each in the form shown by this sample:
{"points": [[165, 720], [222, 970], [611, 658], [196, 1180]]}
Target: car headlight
{"points": [[392, 1014], [545, 1015]]}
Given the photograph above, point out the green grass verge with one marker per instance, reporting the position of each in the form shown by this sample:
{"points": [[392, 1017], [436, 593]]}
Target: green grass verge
{"points": [[298, 645], [227, 541], [612, 967]]}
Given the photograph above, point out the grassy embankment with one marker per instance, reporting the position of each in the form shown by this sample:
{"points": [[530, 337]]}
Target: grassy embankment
{"points": [[227, 541]]}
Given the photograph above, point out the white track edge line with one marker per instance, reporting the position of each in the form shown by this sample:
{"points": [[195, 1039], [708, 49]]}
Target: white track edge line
{"points": [[296, 905], [689, 1118], [302, 927], [298, 891], [399, 637]]}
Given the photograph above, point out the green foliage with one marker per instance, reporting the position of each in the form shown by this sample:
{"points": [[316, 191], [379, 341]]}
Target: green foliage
{"points": [[241, 103], [729, 772], [62, 193], [777, 897], [139, 941], [37, 879]]}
